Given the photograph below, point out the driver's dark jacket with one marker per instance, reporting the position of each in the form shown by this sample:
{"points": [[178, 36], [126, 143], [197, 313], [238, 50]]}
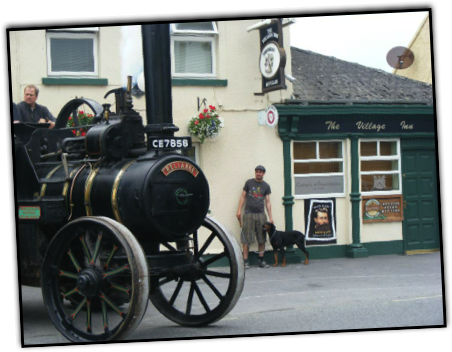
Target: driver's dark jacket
{"points": [[29, 115]]}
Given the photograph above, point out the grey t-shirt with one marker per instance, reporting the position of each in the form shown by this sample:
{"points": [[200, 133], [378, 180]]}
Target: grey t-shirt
{"points": [[255, 195]]}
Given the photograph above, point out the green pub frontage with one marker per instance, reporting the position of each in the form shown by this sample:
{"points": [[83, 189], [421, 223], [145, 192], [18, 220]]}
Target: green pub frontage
{"points": [[361, 179]]}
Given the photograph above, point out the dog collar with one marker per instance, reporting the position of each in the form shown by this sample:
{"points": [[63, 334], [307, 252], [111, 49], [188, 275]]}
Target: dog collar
{"points": [[272, 235]]}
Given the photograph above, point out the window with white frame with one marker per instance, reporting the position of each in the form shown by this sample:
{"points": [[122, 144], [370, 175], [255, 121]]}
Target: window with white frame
{"points": [[72, 52], [193, 49], [318, 169], [380, 167]]}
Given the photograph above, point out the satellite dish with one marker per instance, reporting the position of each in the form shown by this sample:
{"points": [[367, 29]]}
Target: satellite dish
{"points": [[400, 57]]}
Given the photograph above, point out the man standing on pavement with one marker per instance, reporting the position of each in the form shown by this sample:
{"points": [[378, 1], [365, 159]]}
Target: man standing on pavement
{"points": [[32, 111], [256, 197]]}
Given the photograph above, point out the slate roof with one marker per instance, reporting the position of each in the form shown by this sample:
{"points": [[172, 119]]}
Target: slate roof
{"points": [[323, 79]]}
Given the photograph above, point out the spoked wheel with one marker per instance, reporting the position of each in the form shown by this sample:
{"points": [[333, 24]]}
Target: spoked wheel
{"points": [[95, 280], [210, 288]]}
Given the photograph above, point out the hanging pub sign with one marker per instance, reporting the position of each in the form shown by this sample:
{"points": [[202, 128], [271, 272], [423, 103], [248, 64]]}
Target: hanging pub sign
{"points": [[320, 220], [273, 56], [382, 208]]}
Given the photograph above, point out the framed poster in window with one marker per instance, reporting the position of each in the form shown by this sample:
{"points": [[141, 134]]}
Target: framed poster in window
{"points": [[320, 219]]}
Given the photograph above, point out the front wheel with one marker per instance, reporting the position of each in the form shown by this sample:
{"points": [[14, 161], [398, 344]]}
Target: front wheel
{"points": [[210, 289], [95, 280]]}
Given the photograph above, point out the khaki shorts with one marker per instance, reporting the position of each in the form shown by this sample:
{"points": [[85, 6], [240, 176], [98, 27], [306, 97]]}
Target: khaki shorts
{"points": [[252, 228]]}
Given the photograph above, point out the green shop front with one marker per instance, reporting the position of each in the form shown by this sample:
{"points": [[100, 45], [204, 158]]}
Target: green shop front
{"points": [[361, 179]]}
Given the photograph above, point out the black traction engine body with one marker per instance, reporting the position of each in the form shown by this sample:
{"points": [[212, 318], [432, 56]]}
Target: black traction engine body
{"points": [[117, 216], [120, 169]]}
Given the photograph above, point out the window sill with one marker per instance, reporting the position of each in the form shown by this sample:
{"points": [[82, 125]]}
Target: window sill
{"points": [[75, 81], [381, 193], [200, 82], [321, 195]]}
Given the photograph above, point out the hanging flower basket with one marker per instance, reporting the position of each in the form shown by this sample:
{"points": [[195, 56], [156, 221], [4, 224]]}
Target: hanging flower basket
{"points": [[83, 120], [206, 125]]}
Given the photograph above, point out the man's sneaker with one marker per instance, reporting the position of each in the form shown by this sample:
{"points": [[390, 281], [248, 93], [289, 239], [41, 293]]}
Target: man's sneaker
{"points": [[263, 264], [247, 265]]}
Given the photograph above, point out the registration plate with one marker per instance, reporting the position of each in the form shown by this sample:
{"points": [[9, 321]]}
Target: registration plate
{"points": [[170, 143]]}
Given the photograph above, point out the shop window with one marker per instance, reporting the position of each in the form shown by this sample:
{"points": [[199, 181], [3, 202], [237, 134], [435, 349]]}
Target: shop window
{"points": [[72, 52], [380, 166], [318, 168], [193, 49]]}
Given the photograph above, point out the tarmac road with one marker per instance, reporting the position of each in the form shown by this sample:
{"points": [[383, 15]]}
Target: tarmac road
{"points": [[327, 295]]}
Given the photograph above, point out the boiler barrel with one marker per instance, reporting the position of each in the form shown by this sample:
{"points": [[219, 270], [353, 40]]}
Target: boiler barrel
{"points": [[160, 199]]}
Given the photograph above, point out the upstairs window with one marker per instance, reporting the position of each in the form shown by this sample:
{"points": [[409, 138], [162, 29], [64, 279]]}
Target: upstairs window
{"points": [[193, 49], [72, 52]]}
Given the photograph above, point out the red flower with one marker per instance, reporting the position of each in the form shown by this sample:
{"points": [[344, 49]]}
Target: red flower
{"points": [[211, 107], [196, 122], [205, 110], [81, 112], [201, 116], [83, 133], [208, 116], [70, 118]]}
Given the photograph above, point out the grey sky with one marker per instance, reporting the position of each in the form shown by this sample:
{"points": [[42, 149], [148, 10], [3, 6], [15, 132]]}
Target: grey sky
{"points": [[364, 39]]}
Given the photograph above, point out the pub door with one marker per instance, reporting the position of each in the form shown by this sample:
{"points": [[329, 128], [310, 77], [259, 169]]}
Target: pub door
{"points": [[421, 225]]}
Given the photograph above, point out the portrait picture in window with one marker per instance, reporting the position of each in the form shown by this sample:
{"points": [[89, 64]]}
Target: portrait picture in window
{"points": [[320, 221]]}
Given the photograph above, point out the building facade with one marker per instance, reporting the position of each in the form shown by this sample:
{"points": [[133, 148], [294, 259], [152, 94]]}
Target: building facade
{"points": [[361, 144], [231, 82], [353, 145], [421, 69]]}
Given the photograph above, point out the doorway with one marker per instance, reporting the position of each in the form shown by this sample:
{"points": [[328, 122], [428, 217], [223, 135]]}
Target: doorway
{"points": [[421, 225]]}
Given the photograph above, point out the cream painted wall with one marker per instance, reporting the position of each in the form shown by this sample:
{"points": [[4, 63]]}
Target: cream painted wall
{"points": [[421, 69], [377, 232], [228, 161], [29, 66]]}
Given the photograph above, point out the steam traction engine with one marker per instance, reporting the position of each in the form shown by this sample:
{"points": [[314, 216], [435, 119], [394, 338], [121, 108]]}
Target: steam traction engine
{"points": [[110, 219]]}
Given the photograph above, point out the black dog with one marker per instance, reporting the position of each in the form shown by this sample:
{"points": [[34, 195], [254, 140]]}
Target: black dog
{"points": [[281, 239]]}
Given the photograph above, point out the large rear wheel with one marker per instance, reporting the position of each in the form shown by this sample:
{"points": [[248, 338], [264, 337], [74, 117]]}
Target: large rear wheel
{"points": [[95, 280]]}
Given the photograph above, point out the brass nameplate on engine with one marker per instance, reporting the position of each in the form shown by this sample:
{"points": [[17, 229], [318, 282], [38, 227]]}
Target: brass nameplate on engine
{"points": [[180, 166]]}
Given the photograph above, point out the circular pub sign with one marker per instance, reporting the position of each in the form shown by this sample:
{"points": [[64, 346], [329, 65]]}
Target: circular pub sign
{"points": [[271, 116], [373, 210], [271, 60]]}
